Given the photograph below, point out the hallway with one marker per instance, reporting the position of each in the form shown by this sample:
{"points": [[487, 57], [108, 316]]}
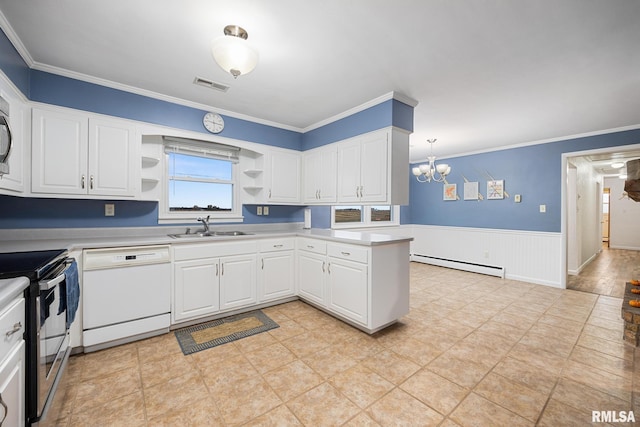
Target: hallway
{"points": [[607, 273]]}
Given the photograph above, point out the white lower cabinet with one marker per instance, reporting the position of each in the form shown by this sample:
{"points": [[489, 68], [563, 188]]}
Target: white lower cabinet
{"points": [[311, 277], [209, 278], [237, 281], [196, 288], [348, 289], [12, 364], [276, 270]]}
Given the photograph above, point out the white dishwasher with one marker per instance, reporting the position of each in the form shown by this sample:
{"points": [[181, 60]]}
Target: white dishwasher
{"points": [[126, 295]]}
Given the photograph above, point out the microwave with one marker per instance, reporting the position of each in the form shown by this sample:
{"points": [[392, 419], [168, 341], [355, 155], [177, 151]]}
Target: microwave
{"points": [[5, 136]]}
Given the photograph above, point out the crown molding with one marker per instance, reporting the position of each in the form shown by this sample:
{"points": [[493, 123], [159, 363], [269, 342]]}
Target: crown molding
{"points": [[15, 40]]}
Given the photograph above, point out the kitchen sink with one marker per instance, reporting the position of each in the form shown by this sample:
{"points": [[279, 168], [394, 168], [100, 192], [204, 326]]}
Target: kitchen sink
{"points": [[211, 234]]}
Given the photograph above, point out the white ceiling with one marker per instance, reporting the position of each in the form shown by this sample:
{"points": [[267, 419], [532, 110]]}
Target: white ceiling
{"points": [[486, 73]]}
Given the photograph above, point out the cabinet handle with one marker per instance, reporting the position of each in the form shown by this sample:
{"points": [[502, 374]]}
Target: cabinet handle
{"points": [[222, 269], [345, 253], [217, 269], [82, 182], [361, 187], [6, 410], [269, 193], [317, 194], [329, 267], [323, 266], [16, 328], [278, 246], [91, 182], [310, 246], [263, 263]]}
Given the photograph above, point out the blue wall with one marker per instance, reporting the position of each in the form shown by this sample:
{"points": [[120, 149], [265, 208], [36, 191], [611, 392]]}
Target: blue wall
{"points": [[534, 172]]}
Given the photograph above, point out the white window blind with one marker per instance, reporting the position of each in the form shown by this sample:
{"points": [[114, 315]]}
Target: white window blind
{"points": [[193, 147]]}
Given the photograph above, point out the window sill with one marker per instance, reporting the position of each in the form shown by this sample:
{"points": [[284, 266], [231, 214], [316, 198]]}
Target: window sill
{"points": [[191, 219], [362, 225]]}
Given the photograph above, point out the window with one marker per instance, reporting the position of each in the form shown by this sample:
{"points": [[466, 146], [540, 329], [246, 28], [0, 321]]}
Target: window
{"points": [[200, 181], [364, 216]]}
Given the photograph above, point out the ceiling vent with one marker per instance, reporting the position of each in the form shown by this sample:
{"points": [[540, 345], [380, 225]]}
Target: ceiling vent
{"points": [[210, 84]]}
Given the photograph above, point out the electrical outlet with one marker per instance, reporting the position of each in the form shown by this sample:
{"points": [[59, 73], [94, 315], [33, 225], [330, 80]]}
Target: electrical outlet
{"points": [[259, 210], [109, 209], [517, 198], [543, 208], [266, 210]]}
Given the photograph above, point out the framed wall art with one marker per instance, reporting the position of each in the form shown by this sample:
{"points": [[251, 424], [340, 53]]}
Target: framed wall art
{"points": [[450, 192], [495, 189]]}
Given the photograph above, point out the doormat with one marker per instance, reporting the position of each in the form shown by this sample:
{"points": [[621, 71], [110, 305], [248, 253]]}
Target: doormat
{"points": [[221, 331]]}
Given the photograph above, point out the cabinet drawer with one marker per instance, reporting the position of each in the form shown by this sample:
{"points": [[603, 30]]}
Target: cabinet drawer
{"points": [[312, 245], [352, 253], [12, 318], [272, 245], [213, 250]]}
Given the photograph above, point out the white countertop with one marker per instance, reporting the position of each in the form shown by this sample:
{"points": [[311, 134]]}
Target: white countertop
{"points": [[12, 288], [78, 239]]}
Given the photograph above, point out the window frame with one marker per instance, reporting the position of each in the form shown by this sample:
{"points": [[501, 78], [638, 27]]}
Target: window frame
{"points": [[166, 216], [366, 218]]}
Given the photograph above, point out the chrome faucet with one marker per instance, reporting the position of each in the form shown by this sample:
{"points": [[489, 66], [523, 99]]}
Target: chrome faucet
{"points": [[205, 223]]}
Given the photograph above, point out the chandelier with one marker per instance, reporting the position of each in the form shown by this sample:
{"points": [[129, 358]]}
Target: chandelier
{"points": [[427, 172], [233, 53]]}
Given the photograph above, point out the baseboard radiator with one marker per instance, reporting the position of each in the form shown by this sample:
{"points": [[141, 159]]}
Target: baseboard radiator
{"points": [[490, 270]]}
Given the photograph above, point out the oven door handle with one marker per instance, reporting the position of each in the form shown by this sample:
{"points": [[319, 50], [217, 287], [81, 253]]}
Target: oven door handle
{"points": [[45, 285]]}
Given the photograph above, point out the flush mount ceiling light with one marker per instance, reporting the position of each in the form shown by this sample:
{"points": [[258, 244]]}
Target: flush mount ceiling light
{"points": [[427, 172], [617, 165], [233, 53]]}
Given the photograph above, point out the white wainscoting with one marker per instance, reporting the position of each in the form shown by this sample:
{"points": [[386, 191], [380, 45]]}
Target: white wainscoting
{"points": [[528, 256]]}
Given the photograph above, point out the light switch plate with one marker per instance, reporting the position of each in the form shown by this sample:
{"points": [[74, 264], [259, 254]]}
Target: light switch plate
{"points": [[265, 210], [109, 209], [543, 208], [517, 198], [259, 210]]}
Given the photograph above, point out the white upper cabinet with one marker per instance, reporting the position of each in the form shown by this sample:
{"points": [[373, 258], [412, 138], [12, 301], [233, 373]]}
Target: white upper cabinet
{"points": [[283, 177], [320, 175], [16, 179], [374, 168], [72, 154]]}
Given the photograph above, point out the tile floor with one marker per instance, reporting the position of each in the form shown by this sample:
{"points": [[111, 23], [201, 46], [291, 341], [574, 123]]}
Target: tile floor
{"points": [[608, 272], [474, 351]]}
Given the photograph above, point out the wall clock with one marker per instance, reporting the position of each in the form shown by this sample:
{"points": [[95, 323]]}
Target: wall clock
{"points": [[213, 122]]}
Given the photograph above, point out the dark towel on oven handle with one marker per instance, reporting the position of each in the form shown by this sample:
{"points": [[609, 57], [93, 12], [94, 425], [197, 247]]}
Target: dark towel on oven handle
{"points": [[70, 293]]}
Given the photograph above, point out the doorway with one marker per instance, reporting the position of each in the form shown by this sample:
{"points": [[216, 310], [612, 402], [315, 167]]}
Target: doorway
{"points": [[606, 194]]}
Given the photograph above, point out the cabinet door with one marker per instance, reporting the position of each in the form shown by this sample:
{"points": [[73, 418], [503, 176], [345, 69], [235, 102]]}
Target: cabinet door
{"points": [[349, 172], [195, 288], [12, 375], [312, 168], [328, 174], [59, 153], [284, 178], [277, 275], [348, 289], [237, 281], [374, 167], [113, 158], [311, 277]]}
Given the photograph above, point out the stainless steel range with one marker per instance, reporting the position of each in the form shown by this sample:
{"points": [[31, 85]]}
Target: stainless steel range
{"points": [[50, 308]]}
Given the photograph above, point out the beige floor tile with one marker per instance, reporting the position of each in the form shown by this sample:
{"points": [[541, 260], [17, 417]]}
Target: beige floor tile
{"points": [[287, 329], [604, 333], [558, 414], [159, 347], [435, 391], [292, 380], [304, 344], [361, 385], [529, 376], [174, 394], [478, 411], [417, 351], [280, 416], [125, 411], [548, 342], [323, 406], [214, 355], [227, 371], [268, 358], [98, 391], [465, 373], [361, 420], [327, 362], [202, 412], [587, 399], [105, 362], [254, 342], [245, 400], [391, 366], [606, 382], [605, 362], [398, 408], [538, 357], [617, 348], [162, 370], [513, 396]]}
